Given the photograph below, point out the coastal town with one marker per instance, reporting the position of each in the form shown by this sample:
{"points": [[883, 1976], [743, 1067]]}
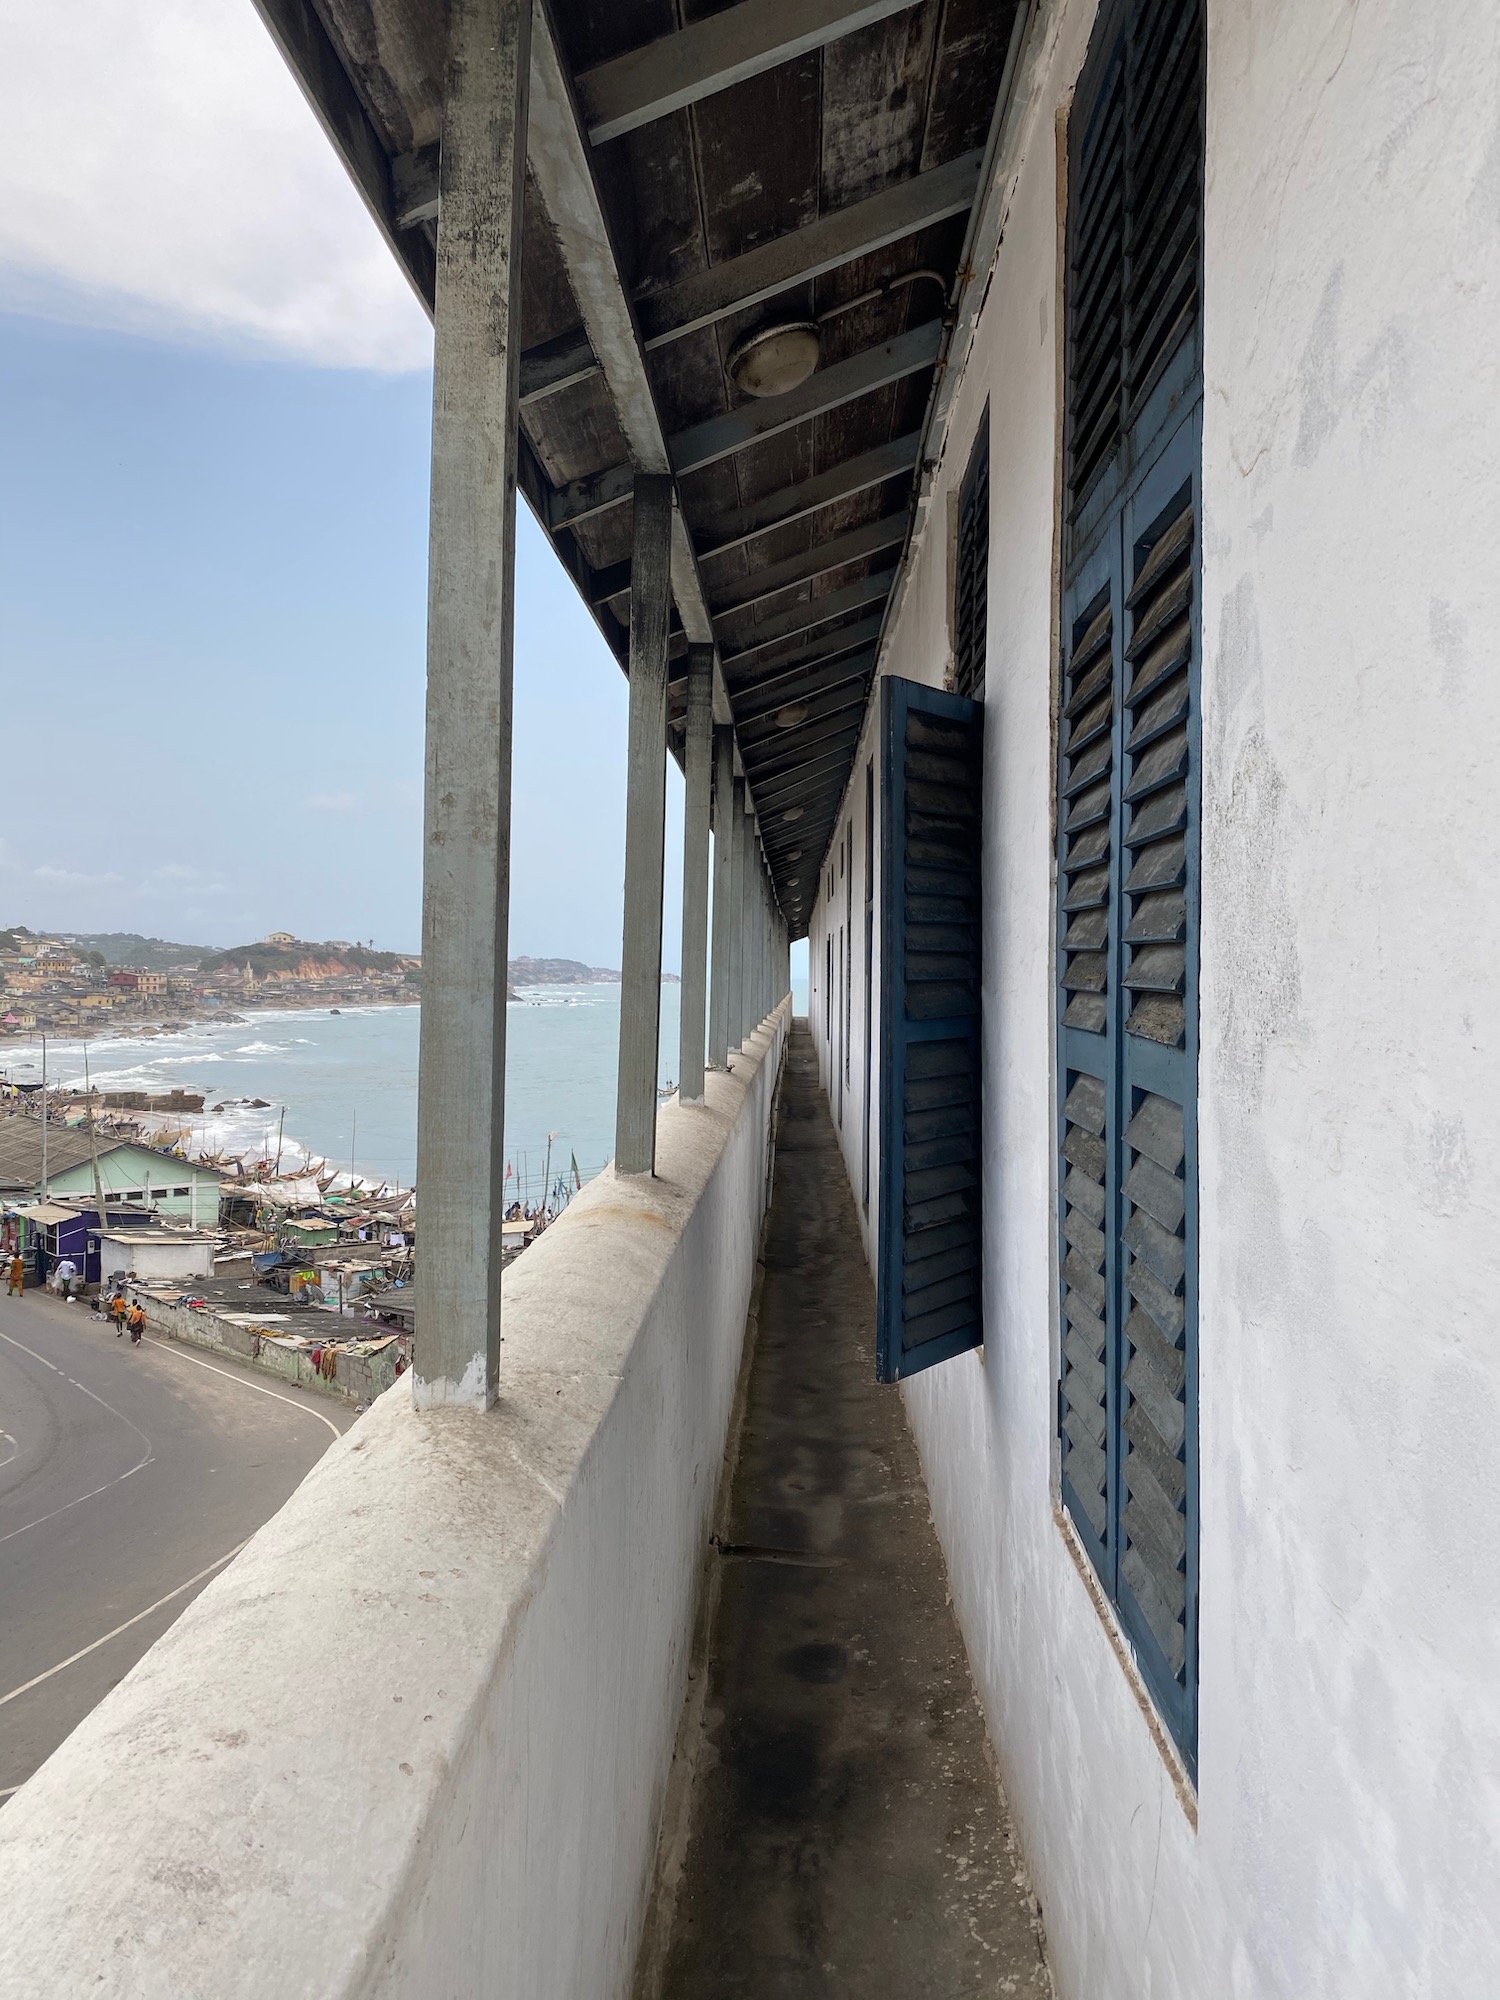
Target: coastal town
{"points": [[306, 1274], [66, 984], [271, 1255], [121, 983]]}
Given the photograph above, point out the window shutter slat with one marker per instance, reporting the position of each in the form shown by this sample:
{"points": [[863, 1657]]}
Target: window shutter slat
{"points": [[971, 583], [1128, 832], [929, 1254]]}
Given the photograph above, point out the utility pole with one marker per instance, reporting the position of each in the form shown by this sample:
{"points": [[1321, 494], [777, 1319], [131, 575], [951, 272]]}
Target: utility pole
{"points": [[44, 1118]]}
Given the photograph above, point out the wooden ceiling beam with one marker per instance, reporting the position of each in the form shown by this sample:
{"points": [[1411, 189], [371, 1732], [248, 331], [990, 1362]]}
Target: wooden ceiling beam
{"points": [[298, 32], [825, 389], [857, 230], [713, 54], [828, 715], [869, 539], [807, 617], [863, 633], [804, 784], [753, 703], [794, 503]]}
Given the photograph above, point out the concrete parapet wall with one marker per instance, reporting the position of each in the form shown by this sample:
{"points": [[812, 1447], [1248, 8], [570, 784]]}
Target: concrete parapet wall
{"points": [[413, 1741], [358, 1378]]}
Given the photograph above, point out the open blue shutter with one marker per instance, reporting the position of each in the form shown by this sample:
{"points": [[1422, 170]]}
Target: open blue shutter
{"points": [[930, 1303]]}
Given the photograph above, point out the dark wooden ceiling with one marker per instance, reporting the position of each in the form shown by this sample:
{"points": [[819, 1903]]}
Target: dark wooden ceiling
{"points": [[859, 157]]}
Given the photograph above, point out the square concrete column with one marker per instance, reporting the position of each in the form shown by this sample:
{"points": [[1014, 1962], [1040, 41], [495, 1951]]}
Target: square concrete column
{"points": [[748, 874], [735, 1012], [699, 761], [645, 826], [718, 1006], [470, 629]]}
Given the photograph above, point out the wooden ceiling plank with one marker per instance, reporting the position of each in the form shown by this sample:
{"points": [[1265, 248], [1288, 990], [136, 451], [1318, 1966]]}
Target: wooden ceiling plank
{"points": [[842, 382], [556, 364], [318, 67], [833, 240], [886, 533], [794, 503], [828, 716], [808, 616], [755, 702], [784, 783], [712, 55], [845, 639]]}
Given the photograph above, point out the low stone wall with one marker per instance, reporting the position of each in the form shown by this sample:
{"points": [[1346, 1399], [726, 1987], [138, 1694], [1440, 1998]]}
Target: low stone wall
{"points": [[358, 1378], [413, 1741]]}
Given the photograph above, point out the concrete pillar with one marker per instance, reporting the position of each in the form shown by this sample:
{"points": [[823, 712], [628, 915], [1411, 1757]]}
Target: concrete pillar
{"points": [[748, 880], [470, 629], [718, 1007], [734, 1013], [645, 827], [699, 760]]}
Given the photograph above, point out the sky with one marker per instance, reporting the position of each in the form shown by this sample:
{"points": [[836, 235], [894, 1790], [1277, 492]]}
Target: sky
{"points": [[215, 391]]}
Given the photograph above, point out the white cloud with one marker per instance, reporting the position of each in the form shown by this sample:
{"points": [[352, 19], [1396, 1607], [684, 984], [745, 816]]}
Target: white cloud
{"points": [[164, 175]]}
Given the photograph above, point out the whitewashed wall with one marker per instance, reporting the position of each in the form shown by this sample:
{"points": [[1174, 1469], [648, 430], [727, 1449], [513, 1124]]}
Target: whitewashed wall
{"points": [[1345, 1836]]}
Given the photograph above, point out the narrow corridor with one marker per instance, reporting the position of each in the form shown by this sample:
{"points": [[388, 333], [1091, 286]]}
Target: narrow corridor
{"points": [[847, 1836]]}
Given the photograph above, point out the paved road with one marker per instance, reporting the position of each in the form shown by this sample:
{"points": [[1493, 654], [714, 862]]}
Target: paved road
{"points": [[128, 1476]]}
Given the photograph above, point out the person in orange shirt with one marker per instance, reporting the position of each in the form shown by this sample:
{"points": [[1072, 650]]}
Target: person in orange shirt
{"points": [[16, 1271], [117, 1313], [137, 1323]]}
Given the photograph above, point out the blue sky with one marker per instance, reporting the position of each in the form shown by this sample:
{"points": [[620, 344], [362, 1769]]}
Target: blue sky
{"points": [[213, 573], [214, 437]]}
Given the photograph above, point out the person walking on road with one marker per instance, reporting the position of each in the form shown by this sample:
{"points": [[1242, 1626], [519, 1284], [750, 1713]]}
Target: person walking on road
{"points": [[137, 1324], [16, 1273], [117, 1312]]}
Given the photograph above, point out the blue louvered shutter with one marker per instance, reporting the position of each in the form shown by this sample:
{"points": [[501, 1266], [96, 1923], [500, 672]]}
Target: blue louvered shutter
{"points": [[1127, 855], [929, 1262]]}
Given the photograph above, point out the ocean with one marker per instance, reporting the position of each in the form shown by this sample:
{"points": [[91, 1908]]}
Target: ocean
{"points": [[348, 1081]]}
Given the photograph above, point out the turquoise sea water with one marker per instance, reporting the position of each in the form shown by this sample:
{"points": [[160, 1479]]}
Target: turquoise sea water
{"points": [[348, 1081]]}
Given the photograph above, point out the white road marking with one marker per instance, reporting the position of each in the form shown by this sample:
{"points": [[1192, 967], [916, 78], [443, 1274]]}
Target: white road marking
{"points": [[146, 1460], [231, 1375], [14, 1448], [84, 1651]]}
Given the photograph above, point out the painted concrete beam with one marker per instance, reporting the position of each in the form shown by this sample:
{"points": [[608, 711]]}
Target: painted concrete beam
{"points": [[711, 55], [563, 173]]}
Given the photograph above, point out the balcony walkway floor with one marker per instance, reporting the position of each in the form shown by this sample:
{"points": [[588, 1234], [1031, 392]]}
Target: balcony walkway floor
{"points": [[846, 1834]]}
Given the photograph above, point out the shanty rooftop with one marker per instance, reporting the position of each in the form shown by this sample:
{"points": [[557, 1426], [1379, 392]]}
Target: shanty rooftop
{"points": [[803, 170]]}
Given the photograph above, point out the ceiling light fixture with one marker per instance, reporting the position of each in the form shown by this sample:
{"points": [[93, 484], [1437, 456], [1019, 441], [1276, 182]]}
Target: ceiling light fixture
{"points": [[791, 715], [774, 359], [792, 813]]}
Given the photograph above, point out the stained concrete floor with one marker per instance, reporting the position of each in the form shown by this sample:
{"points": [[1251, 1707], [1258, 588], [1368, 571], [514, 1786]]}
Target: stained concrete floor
{"points": [[846, 1835]]}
